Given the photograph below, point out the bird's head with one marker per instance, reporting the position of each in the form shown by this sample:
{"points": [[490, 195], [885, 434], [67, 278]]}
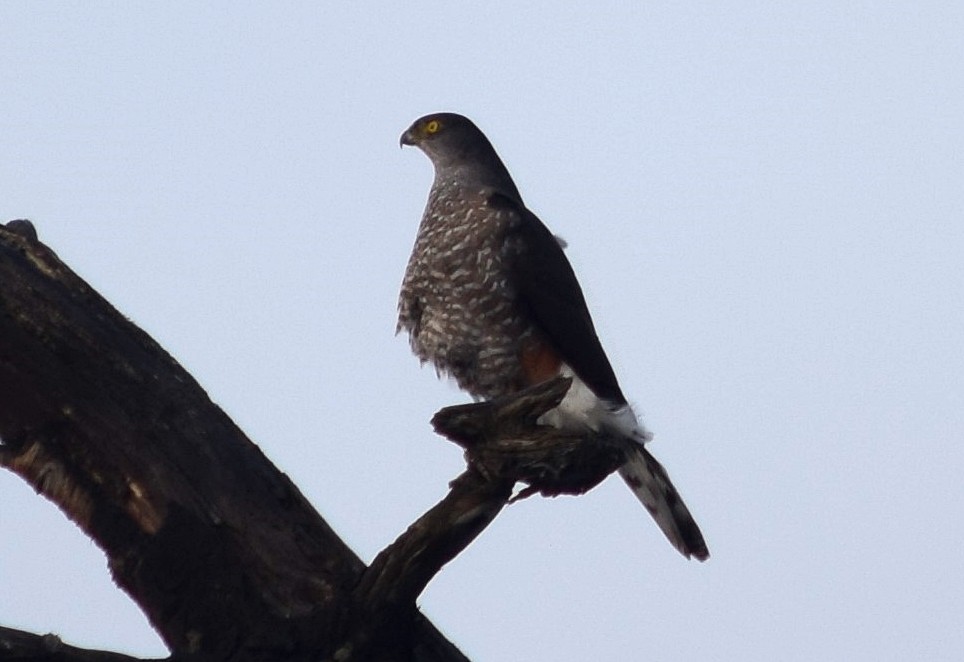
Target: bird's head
{"points": [[446, 138], [436, 128], [459, 151]]}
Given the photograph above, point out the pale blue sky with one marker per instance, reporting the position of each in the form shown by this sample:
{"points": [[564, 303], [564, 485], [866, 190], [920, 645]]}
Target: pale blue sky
{"points": [[764, 203]]}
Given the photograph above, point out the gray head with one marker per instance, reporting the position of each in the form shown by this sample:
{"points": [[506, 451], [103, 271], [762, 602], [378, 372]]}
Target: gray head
{"points": [[457, 148]]}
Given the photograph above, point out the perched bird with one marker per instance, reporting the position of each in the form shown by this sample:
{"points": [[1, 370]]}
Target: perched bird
{"points": [[491, 300]]}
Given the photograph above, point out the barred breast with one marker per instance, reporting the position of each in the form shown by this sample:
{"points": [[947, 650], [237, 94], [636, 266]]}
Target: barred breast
{"points": [[457, 301]]}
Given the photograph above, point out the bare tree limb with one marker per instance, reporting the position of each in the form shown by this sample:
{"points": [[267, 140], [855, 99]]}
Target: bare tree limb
{"points": [[19, 646], [222, 552]]}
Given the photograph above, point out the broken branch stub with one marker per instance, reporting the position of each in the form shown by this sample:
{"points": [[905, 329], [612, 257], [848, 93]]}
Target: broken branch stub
{"points": [[503, 438]]}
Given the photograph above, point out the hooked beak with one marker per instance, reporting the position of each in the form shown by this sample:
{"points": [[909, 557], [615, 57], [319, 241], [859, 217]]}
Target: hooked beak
{"points": [[408, 138]]}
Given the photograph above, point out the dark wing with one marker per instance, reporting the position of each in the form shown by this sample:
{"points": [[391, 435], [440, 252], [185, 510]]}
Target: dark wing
{"points": [[548, 289]]}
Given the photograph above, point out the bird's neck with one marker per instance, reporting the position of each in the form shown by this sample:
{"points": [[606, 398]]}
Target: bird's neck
{"points": [[471, 175]]}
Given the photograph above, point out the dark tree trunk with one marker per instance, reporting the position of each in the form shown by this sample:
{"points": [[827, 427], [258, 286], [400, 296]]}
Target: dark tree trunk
{"points": [[219, 549]]}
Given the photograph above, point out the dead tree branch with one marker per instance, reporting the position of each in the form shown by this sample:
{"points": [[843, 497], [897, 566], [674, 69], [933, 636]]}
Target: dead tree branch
{"points": [[221, 551], [27, 647]]}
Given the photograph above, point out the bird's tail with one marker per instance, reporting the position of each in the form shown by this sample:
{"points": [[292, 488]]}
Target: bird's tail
{"points": [[651, 484]]}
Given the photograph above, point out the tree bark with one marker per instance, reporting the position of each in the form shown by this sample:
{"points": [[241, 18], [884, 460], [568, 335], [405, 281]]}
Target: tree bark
{"points": [[220, 549]]}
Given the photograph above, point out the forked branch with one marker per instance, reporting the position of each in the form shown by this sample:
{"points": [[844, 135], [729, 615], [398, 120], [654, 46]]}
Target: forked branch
{"points": [[222, 552]]}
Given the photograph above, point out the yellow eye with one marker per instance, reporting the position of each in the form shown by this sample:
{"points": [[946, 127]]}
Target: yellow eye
{"points": [[432, 126]]}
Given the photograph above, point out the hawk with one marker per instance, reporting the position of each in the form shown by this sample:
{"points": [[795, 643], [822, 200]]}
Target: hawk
{"points": [[491, 300]]}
